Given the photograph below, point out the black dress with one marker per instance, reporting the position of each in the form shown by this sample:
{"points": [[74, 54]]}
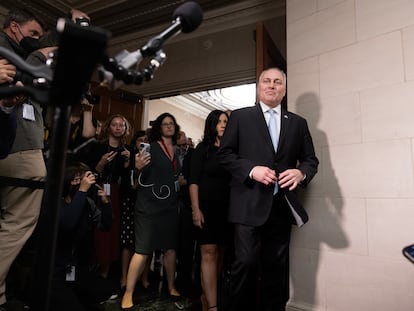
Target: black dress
{"points": [[213, 194], [128, 196], [156, 208]]}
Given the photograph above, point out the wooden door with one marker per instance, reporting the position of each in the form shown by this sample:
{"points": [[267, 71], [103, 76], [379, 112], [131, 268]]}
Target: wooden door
{"points": [[267, 54], [122, 102]]}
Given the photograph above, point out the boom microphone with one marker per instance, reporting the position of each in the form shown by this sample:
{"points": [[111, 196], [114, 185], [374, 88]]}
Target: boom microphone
{"points": [[187, 17]]}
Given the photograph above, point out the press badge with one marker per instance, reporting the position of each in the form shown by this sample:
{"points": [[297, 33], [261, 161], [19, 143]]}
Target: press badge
{"points": [[28, 112], [70, 273], [107, 188]]}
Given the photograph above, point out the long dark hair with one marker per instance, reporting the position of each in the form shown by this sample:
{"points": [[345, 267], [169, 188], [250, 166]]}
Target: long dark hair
{"points": [[155, 133], [210, 127]]}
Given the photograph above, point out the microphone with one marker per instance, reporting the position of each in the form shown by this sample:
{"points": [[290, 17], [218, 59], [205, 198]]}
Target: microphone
{"points": [[186, 18]]}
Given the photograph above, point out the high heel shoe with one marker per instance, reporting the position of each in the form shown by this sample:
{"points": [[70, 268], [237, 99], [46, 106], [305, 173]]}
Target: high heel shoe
{"points": [[132, 308], [178, 301]]}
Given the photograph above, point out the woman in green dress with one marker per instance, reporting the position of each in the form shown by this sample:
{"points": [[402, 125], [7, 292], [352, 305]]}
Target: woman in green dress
{"points": [[156, 210]]}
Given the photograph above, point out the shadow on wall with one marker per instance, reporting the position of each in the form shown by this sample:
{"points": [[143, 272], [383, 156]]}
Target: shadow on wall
{"points": [[325, 210]]}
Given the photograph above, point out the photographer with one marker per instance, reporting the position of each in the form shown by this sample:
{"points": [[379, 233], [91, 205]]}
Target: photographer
{"points": [[83, 127], [75, 286], [7, 112], [20, 205]]}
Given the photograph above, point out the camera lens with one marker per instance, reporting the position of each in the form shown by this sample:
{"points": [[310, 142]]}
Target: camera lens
{"points": [[82, 21]]}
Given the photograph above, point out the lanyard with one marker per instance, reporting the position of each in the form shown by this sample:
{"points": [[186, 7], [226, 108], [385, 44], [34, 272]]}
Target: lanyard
{"points": [[174, 160]]}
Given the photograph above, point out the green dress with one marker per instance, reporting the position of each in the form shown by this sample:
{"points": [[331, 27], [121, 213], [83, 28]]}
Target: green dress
{"points": [[156, 208]]}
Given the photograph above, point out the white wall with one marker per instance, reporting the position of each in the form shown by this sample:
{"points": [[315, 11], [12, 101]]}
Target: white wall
{"points": [[192, 125], [351, 74]]}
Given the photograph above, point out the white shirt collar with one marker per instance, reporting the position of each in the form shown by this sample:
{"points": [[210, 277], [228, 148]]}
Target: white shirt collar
{"points": [[265, 108]]}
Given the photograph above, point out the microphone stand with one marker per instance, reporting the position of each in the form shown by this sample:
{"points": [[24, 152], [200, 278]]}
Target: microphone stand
{"points": [[80, 49]]}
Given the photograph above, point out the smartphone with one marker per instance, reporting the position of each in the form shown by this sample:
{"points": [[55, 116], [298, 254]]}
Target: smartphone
{"points": [[144, 146], [408, 252]]}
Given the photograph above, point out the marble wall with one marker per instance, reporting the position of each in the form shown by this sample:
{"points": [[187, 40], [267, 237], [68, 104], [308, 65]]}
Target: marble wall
{"points": [[351, 74]]}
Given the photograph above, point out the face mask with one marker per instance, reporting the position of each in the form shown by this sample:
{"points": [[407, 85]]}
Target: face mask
{"points": [[29, 44]]}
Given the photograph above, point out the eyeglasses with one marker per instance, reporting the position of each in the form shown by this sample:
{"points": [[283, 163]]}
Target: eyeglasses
{"points": [[167, 124]]}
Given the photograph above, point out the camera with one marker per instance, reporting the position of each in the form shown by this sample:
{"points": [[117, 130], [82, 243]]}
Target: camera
{"points": [[82, 21]]}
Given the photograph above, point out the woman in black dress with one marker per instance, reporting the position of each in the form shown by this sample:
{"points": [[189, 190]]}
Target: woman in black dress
{"points": [[209, 192], [156, 209], [128, 199]]}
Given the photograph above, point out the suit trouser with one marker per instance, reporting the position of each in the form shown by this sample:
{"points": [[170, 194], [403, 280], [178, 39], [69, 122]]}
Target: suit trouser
{"points": [[260, 271], [19, 206]]}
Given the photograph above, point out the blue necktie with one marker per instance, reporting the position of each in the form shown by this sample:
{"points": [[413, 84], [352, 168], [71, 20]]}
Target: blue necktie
{"points": [[274, 136], [273, 128]]}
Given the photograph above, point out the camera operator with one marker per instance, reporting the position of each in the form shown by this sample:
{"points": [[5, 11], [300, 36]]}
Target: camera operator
{"points": [[85, 207], [19, 205], [23, 171], [83, 127], [21, 32], [7, 113]]}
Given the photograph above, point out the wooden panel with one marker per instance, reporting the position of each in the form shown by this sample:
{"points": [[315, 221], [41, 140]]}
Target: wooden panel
{"points": [[118, 102], [267, 54]]}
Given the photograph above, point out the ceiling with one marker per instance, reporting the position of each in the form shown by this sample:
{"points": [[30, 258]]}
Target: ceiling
{"points": [[134, 20], [120, 17]]}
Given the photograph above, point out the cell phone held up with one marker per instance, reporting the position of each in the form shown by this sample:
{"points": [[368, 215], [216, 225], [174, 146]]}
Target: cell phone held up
{"points": [[144, 147], [408, 252]]}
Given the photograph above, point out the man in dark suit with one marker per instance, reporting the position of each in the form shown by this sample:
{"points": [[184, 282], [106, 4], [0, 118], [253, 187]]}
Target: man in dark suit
{"points": [[263, 205]]}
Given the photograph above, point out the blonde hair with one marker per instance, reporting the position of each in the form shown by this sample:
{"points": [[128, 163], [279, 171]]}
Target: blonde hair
{"points": [[104, 135]]}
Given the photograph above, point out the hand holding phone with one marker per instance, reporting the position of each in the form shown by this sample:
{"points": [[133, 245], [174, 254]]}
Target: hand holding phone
{"points": [[144, 147]]}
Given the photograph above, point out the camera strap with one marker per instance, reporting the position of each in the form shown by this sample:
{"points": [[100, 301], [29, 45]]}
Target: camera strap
{"points": [[6, 181]]}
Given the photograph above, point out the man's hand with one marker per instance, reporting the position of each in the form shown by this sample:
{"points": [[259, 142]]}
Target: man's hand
{"points": [[290, 178], [264, 175], [13, 101], [7, 71]]}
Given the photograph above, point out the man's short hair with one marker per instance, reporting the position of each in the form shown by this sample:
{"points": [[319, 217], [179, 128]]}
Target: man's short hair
{"points": [[21, 16]]}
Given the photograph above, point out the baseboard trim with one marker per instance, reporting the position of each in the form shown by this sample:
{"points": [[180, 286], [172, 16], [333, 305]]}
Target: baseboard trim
{"points": [[296, 306]]}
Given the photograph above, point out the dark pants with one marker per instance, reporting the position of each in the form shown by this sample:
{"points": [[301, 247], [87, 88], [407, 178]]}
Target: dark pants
{"points": [[88, 290], [260, 271]]}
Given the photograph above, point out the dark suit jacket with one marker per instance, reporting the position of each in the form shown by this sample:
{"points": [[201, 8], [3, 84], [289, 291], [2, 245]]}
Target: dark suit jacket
{"points": [[246, 143]]}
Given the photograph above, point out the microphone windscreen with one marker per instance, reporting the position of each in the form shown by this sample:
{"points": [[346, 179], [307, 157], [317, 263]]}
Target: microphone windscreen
{"points": [[190, 15]]}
